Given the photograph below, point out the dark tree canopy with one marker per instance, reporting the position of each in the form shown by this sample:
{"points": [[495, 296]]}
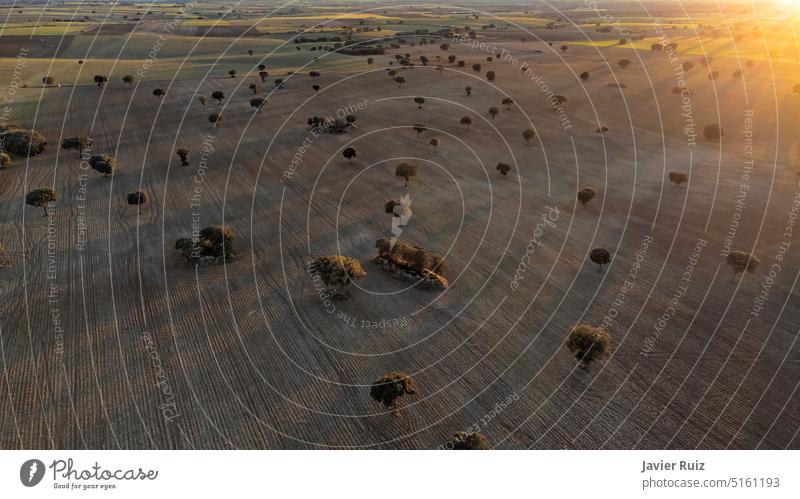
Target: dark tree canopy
{"points": [[214, 242], [678, 178], [22, 142], [138, 198], [218, 95], [624, 63], [600, 256], [713, 132], [463, 440], [741, 261], [391, 387], [503, 169], [528, 134], [406, 171], [586, 194], [349, 153], [40, 198], [129, 79], [79, 143], [216, 119], [103, 163], [588, 344], [337, 271]]}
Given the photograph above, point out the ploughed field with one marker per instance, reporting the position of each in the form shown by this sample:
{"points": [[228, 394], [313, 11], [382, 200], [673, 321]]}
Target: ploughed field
{"points": [[110, 340]]}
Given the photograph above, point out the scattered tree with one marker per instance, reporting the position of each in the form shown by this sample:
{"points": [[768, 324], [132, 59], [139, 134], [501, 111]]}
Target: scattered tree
{"points": [[585, 75], [463, 440], [490, 75], [315, 88], [391, 387], [419, 101], [507, 101], [588, 344], [263, 75], [314, 74], [79, 143], [100, 80], [159, 92], [255, 87], [103, 163], [257, 102], [624, 63], [400, 81], [528, 134], [212, 243], [656, 47], [203, 100], [678, 178], [183, 154], [713, 75], [737, 73], [687, 65], [138, 198], [337, 272], [5, 159], [22, 142], [466, 122], [129, 79], [585, 195], [600, 256], [493, 111], [476, 67], [406, 171], [349, 153], [48, 81], [40, 198], [232, 73], [419, 128], [468, 90], [713, 132], [218, 95], [216, 119], [503, 169], [601, 130], [741, 261]]}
